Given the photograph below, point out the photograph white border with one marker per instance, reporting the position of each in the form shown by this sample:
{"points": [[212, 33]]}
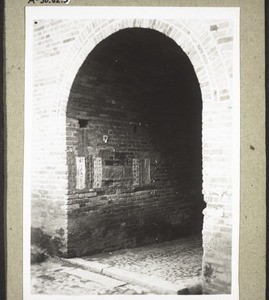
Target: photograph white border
{"points": [[86, 12]]}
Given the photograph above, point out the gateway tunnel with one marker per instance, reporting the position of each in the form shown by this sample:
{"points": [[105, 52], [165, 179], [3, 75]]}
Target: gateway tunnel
{"points": [[134, 145]]}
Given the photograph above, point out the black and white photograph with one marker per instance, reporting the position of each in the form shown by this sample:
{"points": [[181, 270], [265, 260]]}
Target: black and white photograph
{"points": [[131, 174]]}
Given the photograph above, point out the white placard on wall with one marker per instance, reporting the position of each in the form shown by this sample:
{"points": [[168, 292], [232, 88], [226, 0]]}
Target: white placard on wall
{"points": [[80, 163], [97, 172]]}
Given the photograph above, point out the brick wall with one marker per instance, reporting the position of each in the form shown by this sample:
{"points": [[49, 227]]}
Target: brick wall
{"points": [[60, 48], [129, 89]]}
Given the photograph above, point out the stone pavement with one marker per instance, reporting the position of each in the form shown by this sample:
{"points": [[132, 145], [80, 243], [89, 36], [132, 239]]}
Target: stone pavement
{"points": [[173, 261], [171, 264], [55, 277]]}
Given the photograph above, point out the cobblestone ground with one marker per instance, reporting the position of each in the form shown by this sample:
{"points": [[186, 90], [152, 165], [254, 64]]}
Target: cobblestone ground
{"points": [[175, 261], [53, 277]]}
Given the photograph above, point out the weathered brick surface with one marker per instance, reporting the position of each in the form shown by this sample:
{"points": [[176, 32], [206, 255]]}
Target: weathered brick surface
{"points": [[60, 48], [143, 106]]}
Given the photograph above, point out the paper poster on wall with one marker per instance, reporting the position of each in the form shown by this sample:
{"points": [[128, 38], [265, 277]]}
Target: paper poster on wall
{"points": [[97, 172], [80, 178]]}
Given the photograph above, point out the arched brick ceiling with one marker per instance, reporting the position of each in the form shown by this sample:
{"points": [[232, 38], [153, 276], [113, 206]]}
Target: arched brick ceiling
{"points": [[142, 65]]}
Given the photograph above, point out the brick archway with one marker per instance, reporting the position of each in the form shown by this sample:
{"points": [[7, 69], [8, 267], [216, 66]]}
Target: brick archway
{"points": [[195, 41], [214, 74]]}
